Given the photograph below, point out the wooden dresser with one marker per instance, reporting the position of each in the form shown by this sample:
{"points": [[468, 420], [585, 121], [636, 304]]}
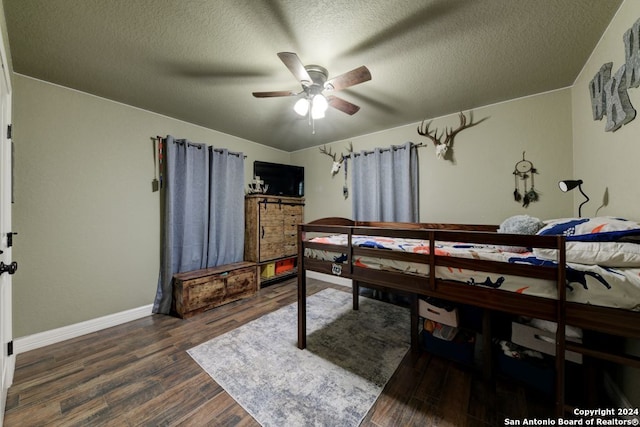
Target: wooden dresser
{"points": [[271, 234], [201, 290]]}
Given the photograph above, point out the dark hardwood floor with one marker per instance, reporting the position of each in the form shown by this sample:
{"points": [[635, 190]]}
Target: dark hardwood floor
{"points": [[139, 373]]}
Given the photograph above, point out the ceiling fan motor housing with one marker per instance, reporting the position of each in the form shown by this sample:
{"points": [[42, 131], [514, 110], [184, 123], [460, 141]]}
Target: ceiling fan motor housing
{"points": [[319, 76]]}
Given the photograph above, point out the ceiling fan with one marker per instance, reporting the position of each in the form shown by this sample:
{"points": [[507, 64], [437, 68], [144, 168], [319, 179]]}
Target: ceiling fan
{"points": [[314, 81]]}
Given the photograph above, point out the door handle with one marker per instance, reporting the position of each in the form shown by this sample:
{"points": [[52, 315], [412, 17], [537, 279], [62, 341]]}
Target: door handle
{"points": [[8, 268]]}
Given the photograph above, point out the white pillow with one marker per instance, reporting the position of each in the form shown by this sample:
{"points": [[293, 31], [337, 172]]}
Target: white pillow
{"points": [[606, 254]]}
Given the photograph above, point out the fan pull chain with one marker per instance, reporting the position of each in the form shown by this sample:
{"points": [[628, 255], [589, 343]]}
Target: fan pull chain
{"points": [[312, 122]]}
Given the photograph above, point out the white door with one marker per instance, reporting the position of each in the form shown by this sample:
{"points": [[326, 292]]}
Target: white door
{"points": [[7, 359]]}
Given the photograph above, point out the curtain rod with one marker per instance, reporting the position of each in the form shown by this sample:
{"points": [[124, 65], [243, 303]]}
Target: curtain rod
{"points": [[199, 146], [393, 147]]}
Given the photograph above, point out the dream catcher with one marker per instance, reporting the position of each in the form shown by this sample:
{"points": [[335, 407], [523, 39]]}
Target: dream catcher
{"points": [[523, 172]]}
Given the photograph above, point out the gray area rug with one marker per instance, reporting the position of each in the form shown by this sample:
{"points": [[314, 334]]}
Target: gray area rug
{"points": [[350, 356]]}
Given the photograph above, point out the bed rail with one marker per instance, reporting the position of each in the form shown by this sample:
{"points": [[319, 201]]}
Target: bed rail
{"points": [[424, 285]]}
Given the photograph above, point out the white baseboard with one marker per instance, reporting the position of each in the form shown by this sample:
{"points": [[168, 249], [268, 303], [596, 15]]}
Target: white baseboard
{"points": [[329, 278], [41, 339]]}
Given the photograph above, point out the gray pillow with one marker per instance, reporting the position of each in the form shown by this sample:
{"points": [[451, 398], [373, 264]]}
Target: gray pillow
{"points": [[519, 224]]}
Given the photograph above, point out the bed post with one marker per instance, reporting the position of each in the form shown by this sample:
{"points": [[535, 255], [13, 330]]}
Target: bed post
{"points": [[355, 289], [302, 293], [431, 284], [415, 319], [561, 325], [487, 356]]}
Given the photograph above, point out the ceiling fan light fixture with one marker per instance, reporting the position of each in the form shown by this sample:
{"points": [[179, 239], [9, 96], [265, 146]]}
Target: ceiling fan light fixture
{"points": [[317, 114], [318, 106], [302, 106]]}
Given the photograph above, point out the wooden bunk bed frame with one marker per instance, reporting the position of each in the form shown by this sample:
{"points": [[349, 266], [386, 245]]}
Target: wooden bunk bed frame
{"points": [[618, 322]]}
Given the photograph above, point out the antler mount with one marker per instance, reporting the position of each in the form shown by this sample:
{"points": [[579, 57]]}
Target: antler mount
{"points": [[337, 163], [446, 137]]}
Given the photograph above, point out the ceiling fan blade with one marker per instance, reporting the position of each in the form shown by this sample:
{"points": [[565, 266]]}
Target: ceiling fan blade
{"points": [[274, 94], [342, 105], [353, 77], [296, 67]]}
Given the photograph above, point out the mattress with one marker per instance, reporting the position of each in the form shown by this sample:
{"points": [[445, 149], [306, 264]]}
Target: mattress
{"points": [[587, 284]]}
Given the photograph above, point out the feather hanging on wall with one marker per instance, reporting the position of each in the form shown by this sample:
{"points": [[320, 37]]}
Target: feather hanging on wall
{"points": [[523, 171]]}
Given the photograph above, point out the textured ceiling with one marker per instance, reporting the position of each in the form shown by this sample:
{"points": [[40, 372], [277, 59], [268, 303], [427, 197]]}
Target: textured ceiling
{"points": [[200, 60]]}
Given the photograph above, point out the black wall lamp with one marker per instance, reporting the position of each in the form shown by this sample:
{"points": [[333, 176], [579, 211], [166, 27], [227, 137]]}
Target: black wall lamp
{"points": [[569, 185]]}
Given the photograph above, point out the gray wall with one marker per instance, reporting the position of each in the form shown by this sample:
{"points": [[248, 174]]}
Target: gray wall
{"points": [[88, 222], [478, 187]]}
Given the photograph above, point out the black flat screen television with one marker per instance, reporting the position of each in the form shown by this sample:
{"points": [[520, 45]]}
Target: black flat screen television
{"points": [[283, 180]]}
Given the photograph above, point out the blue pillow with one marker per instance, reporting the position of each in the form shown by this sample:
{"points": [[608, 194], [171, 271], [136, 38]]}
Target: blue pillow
{"points": [[597, 229]]}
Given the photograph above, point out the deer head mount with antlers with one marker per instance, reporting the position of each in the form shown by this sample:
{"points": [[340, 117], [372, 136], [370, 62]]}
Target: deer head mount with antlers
{"points": [[444, 141], [337, 164]]}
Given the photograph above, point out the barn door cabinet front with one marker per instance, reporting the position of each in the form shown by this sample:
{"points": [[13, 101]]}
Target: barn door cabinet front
{"points": [[271, 234]]}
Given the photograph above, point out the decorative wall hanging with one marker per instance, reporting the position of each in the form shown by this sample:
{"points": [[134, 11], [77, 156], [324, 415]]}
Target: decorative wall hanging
{"points": [[608, 93], [156, 183], [444, 147], [522, 172], [345, 186], [335, 167]]}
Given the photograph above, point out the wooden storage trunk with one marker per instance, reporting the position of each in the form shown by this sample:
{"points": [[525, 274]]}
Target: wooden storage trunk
{"points": [[201, 290]]}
